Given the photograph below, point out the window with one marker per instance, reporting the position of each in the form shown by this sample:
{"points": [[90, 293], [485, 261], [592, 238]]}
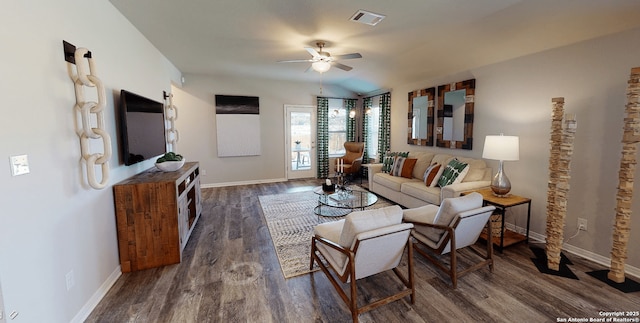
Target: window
{"points": [[337, 127], [373, 128]]}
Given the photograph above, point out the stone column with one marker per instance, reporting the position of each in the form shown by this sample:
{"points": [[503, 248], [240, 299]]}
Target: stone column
{"points": [[630, 138], [559, 169]]}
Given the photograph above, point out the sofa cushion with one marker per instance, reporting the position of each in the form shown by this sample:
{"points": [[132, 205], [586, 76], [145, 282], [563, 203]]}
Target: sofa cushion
{"points": [[442, 159], [423, 161], [454, 169], [403, 166], [418, 190], [389, 181], [474, 174]]}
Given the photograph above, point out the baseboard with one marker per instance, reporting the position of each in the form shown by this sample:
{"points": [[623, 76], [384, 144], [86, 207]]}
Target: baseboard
{"points": [[598, 259], [260, 181], [97, 296]]}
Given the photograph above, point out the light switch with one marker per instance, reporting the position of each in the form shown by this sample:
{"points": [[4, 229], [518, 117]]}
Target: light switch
{"points": [[19, 165]]}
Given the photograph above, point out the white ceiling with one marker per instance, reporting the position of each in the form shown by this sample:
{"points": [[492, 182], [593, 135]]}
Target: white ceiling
{"points": [[418, 39]]}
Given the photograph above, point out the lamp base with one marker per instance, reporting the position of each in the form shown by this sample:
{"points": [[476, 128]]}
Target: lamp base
{"points": [[500, 192], [500, 185]]}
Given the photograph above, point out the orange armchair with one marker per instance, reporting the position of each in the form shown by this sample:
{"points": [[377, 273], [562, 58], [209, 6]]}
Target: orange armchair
{"points": [[352, 158]]}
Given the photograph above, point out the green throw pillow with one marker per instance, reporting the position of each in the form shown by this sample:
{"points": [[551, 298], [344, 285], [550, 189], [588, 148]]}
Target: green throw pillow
{"points": [[451, 172], [389, 158]]}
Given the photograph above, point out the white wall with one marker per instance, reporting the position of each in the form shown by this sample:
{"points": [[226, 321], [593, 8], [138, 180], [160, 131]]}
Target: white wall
{"points": [[514, 97], [52, 223], [197, 119]]}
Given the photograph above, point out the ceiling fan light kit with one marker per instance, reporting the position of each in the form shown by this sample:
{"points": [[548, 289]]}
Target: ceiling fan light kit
{"points": [[322, 61], [321, 66]]}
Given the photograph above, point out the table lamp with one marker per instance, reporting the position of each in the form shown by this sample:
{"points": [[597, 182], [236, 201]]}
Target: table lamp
{"points": [[502, 148]]}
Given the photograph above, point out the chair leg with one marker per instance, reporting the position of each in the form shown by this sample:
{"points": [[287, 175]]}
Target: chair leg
{"points": [[410, 264], [313, 252], [353, 302]]}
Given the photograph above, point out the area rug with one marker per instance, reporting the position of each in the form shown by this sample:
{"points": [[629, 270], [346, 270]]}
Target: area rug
{"points": [[291, 220]]}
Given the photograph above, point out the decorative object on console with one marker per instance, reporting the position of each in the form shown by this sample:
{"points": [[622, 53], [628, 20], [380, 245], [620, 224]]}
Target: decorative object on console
{"points": [[170, 162], [455, 130], [84, 76], [502, 148]]}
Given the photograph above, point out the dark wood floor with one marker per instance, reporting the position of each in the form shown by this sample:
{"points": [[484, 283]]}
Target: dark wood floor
{"points": [[230, 273]]}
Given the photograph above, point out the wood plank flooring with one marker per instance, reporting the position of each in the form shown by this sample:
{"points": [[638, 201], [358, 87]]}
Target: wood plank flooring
{"points": [[230, 273]]}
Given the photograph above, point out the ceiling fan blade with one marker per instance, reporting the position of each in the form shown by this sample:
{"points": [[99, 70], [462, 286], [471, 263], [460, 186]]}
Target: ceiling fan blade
{"points": [[313, 52], [296, 61], [309, 69], [342, 66], [348, 56]]}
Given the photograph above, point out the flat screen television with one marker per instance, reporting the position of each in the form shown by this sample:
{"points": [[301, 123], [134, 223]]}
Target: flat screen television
{"points": [[142, 128]]}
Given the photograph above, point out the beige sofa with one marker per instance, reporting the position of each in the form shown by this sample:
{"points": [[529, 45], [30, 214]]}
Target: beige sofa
{"points": [[413, 192]]}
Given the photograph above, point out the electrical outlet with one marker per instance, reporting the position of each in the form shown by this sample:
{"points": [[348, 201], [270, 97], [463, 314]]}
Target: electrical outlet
{"points": [[582, 224], [70, 280]]}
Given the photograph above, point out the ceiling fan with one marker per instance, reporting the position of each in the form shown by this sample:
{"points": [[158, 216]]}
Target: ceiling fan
{"points": [[322, 61]]}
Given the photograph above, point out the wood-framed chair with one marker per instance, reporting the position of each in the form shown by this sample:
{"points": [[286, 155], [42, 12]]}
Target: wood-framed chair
{"points": [[365, 243], [456, 224]]}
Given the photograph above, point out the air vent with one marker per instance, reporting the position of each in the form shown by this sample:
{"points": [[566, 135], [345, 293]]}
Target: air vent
{"points": [[367, 18]]}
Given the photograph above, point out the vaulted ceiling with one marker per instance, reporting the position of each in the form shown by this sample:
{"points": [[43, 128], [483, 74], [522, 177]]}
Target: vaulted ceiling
{"points": [[418, 39]]}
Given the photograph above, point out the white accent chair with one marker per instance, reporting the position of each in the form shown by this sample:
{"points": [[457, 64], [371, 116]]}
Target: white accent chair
{"points": [[455, 224], [363, 244]]}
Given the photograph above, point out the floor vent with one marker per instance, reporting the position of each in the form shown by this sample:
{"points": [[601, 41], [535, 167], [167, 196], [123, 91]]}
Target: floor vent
{"points": [[367, 18]]}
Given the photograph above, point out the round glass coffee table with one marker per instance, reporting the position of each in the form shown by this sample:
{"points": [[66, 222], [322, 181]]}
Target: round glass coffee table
{"points": [[342, 202]]}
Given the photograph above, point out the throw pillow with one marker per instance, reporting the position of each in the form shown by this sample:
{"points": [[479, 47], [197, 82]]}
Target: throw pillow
{"points": [[389, 158], [403, 166], [434, 183], [451, 172], [430, 174]]}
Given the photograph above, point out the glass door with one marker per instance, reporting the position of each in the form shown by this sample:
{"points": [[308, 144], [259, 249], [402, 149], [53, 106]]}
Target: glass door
{"points": [[300, 141]]}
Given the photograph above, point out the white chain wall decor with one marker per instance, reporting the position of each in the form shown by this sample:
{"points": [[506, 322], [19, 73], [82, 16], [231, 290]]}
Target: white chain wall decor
{"points": [[82, 78], [171, 115]]}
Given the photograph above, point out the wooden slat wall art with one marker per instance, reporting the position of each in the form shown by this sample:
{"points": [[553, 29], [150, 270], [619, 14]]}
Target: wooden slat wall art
{"points": [[630, 139], [470, 91], [430, 93]]}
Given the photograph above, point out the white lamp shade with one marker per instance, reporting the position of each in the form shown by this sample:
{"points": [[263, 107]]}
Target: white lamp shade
{"points": [[501, 148], [321, 66]]}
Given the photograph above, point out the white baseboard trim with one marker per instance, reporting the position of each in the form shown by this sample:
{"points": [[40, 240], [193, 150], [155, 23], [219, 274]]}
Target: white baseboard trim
{"points": [[260, 181], [88, 307], [598, 259]]}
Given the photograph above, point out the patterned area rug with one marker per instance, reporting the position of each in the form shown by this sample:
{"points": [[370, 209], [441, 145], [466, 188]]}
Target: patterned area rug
{"points": [[291, 220]]}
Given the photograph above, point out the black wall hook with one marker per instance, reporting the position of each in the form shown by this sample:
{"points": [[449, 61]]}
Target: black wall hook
{"points": [[70, 52]]}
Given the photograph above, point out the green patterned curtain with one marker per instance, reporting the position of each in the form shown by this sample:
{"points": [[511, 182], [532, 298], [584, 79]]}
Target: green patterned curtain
{"points": [[366, 138], [350, 104], [384, 135], [322, 140]]}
